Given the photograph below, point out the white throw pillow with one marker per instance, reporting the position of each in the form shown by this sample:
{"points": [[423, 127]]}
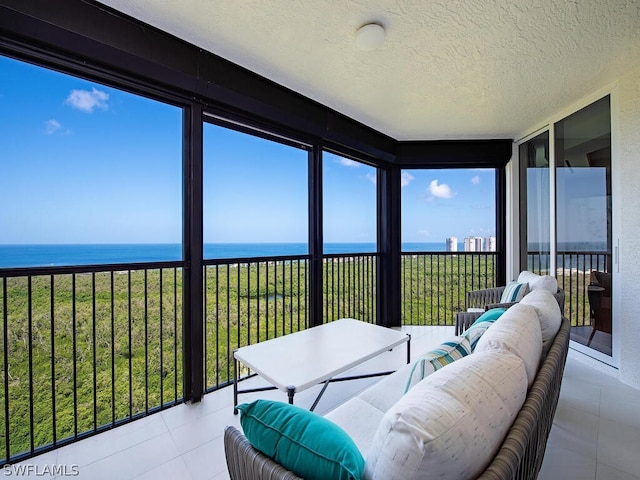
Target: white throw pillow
{"points": [[536, 282], [516, 331], [549, 315], [451, 424]]}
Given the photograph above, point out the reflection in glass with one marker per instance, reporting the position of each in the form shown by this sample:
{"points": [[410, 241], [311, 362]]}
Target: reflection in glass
{"points": [[534, 200]]}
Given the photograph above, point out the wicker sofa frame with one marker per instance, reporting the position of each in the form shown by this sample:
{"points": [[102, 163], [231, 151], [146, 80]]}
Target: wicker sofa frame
{"points": [[519, 457]]}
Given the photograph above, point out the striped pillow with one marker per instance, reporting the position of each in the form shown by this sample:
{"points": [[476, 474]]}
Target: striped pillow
{"points": [[445, 354], [484, 321], [514, 292]]}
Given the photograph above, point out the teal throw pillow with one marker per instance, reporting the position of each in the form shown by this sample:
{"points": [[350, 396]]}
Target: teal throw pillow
{"points": [[437, 358], [514, 292], [484, 321], [303, 442]]}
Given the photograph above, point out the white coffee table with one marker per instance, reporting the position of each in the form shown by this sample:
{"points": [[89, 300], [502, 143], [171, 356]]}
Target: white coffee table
{"points": [[292, 363]]}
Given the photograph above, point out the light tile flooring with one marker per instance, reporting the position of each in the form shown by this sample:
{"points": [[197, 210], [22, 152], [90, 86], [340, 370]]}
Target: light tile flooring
{"points": [[596, 433]]}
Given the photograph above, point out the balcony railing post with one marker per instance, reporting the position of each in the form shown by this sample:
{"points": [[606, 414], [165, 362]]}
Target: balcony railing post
{"points": [[315, 236], [193, 252], [389, 267]]}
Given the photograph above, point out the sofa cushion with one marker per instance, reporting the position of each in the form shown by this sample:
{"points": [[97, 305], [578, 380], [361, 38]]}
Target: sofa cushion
{"points": [[359, 419], [536, 282], [514, 292], [301, 441], [383, 394], [484, 321], [549, 315], [446, 353], [516, 331], [452, 423]]}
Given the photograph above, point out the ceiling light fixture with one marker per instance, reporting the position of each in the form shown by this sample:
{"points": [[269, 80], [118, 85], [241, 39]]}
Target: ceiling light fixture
{"points": [[369, 36]]}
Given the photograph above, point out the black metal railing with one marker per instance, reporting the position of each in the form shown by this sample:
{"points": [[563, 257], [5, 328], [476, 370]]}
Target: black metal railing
{"points": [[349, 288], [248, 300], [85, 349], [573, 270], [434, 284]]}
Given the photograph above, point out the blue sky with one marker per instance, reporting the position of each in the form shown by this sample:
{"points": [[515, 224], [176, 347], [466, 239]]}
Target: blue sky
{"points": [[85, 163]]}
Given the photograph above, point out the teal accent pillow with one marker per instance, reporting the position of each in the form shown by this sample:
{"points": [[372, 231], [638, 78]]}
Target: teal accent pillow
{"points": [[484, 321], [446, 353], [514, 292], [303, 442]]}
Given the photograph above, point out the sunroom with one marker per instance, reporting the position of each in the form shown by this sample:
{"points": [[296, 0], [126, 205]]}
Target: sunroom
{"points": [[541, 101]]}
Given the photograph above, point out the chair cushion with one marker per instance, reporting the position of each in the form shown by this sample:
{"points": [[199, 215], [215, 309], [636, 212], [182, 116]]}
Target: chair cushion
{"points": [[301, 441], [514, 292], [484, 321], [452, 423], [448, 352], [517, 331], [549, 315], [536, 282]]}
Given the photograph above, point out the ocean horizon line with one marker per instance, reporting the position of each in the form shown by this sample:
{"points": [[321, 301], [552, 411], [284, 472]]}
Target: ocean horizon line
{"points": [[67, 254]]}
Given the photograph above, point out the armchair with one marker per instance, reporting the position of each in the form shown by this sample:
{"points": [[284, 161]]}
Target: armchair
{"points": [[599, 293]]}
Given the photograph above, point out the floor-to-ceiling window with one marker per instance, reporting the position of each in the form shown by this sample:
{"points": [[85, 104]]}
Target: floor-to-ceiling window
{"points": [[349, 238], [449, 241], [90, 257], [255, 235]]}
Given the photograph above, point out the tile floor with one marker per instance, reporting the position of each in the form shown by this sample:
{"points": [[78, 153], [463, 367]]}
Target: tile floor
{"points": [[596, 433]]}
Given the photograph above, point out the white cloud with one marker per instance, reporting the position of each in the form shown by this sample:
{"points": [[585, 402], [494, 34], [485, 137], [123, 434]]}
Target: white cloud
{"points": [[405, 179], [87, 101], [52, 126], [371, 177], [440, 191], [346, 162], [475, 180], [424, 232]]}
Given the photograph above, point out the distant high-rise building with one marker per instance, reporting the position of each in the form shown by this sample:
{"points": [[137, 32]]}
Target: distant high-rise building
{"points": [[473, 244], [490, 244], [452, 244], [469, 244]]}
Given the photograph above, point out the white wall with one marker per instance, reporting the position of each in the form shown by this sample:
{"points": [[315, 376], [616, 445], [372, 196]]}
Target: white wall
{"points": [[628, 201]]}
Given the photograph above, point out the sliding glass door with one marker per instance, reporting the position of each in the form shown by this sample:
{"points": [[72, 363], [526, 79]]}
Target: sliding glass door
{"points": [[583, 219], [566, 219]]}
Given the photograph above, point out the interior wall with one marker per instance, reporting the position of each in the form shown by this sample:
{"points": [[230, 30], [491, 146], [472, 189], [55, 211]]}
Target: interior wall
{"points": [[628, 200]]}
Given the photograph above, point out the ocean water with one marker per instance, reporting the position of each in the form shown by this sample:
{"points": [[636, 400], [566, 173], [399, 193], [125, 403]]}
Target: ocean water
{"points": [[13, 256]]}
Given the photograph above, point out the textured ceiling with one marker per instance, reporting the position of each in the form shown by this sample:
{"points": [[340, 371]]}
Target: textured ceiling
{"points": [[447, 69]]}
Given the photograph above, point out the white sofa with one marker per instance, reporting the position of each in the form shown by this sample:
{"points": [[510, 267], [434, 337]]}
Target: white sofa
{"points": [[486, 415]]}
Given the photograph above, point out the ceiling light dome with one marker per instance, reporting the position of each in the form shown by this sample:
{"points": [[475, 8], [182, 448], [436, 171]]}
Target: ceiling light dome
{"points": [[370, 36]]}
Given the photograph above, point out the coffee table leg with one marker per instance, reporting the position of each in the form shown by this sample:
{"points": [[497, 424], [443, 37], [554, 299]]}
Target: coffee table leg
{"points": [[235, 385], [291, 391]]}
